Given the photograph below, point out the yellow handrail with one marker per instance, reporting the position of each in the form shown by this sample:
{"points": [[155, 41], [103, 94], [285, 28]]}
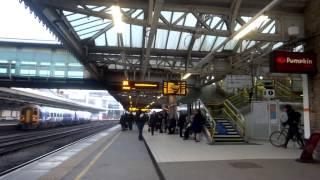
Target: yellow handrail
{"points": [[235, 116]]}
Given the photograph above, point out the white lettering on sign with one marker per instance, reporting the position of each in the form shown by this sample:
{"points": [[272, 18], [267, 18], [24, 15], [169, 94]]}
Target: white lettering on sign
{"points": [[299, 61]]}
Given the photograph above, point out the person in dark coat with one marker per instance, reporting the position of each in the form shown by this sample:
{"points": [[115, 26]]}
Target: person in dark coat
{"points": [[165, 121], [123, 121], [197, 124], [153, 122], [172, 125], [293, 122], [142, 118], [181, 123], [130, 120], [159, 122]]}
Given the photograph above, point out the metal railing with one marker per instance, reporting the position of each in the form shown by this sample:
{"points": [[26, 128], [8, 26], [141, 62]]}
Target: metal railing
{"points": [[235, 116], [210, 132]]}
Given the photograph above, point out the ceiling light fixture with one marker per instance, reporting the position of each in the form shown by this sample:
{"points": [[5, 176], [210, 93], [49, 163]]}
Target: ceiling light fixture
{"points": [[186, 76], [253, 25], [117, 19]]}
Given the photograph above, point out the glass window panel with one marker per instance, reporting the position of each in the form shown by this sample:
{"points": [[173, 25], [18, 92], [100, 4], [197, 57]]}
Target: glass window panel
{"points": [[13, 71], [30, 72], [215, 21], [191, 20], [85, 22], [184, 41], [3, 70], [126, 35], [45, 73], [267, 29], [219, 41], [273, 30], [66, 13], [141, 16], [177, 15], [112, 37], [224, 26], [277, 45], [161, 38], [59, 64], [90, 26], [173, 39], [99, 8], [75, 74], [45, 63], [245, 18], [75, 64], [90, 30], [75, 16], [29, 62], [252, 43], [58, 73], [197, 43], [3, 61], [231, 44], [136, 36], [238, 26], [166, 15], [84, 36], [207, 44], [136, 13], [91, 6], [100, 41]]}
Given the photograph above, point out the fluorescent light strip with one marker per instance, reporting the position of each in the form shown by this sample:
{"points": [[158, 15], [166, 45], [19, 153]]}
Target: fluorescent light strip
{"points": [[117, 19], [186, 76], [253, 25]]}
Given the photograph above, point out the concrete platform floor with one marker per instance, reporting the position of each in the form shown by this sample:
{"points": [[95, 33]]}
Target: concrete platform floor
{"points": [[188, 160]]}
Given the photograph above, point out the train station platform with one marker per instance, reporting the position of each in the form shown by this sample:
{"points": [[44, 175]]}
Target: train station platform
{"points": [[114, 154], [188, 160]]}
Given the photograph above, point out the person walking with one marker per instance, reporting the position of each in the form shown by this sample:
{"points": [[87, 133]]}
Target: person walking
{"points": [[172, 125], [293, 122], [181, 123], [130, 120], [123, 121], [153, 122], [197, 124], [142, 118]]}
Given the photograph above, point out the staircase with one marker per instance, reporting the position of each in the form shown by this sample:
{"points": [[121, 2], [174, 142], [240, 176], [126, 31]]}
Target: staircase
{"points": [[221, 130], [225, 132]]}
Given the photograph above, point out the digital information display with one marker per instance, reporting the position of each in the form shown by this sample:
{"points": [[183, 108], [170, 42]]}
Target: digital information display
{"points": [[293, 62], [178, 88]]}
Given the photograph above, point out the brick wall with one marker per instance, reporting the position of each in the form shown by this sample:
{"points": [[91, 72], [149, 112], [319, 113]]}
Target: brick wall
{"points": [[312, 29]]}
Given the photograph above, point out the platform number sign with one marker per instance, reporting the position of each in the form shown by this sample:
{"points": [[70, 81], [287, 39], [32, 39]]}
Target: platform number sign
{"points": [[269, 93]]}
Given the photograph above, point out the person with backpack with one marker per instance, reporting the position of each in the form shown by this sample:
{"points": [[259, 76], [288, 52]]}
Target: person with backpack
{"points": [[197, 124], [293, 122]]}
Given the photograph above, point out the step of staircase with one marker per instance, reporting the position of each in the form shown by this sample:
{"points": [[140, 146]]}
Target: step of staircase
{"points": [[230, 136]]}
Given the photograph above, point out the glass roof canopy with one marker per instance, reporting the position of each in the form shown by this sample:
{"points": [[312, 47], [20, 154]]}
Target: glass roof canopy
{"points": [[87, 26], [169, 36], [165, 39]]}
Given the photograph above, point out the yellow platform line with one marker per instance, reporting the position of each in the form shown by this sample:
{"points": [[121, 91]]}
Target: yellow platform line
{"points": [[94, 160]]}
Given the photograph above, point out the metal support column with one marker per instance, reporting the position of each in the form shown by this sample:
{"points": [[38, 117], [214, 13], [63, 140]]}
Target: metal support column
{"points": [[306, 112]]}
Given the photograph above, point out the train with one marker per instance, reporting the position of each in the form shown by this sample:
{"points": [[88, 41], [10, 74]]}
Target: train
{"points": [[39, 117]]}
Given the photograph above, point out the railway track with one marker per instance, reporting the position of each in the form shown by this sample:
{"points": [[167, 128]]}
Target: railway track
{"points": [[12, 143], [18, 150]]}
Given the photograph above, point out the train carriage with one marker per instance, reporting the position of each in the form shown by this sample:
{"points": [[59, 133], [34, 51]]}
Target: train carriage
{"points": [[34, 116]]}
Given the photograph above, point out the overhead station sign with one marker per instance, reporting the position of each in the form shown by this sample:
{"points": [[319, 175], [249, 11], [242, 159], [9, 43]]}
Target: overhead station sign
{"points": [[133, 85], [178, 88], [293, 62]]}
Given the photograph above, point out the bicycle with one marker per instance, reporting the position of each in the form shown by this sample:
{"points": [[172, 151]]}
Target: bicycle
{"points": [[278, 138]]}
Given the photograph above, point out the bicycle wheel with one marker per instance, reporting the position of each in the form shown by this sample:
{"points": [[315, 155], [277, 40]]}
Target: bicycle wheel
{"points": [[277, 138]]}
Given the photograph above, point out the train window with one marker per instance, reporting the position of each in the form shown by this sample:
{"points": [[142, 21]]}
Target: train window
{"points": [[51, 114], [35, 112]]}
